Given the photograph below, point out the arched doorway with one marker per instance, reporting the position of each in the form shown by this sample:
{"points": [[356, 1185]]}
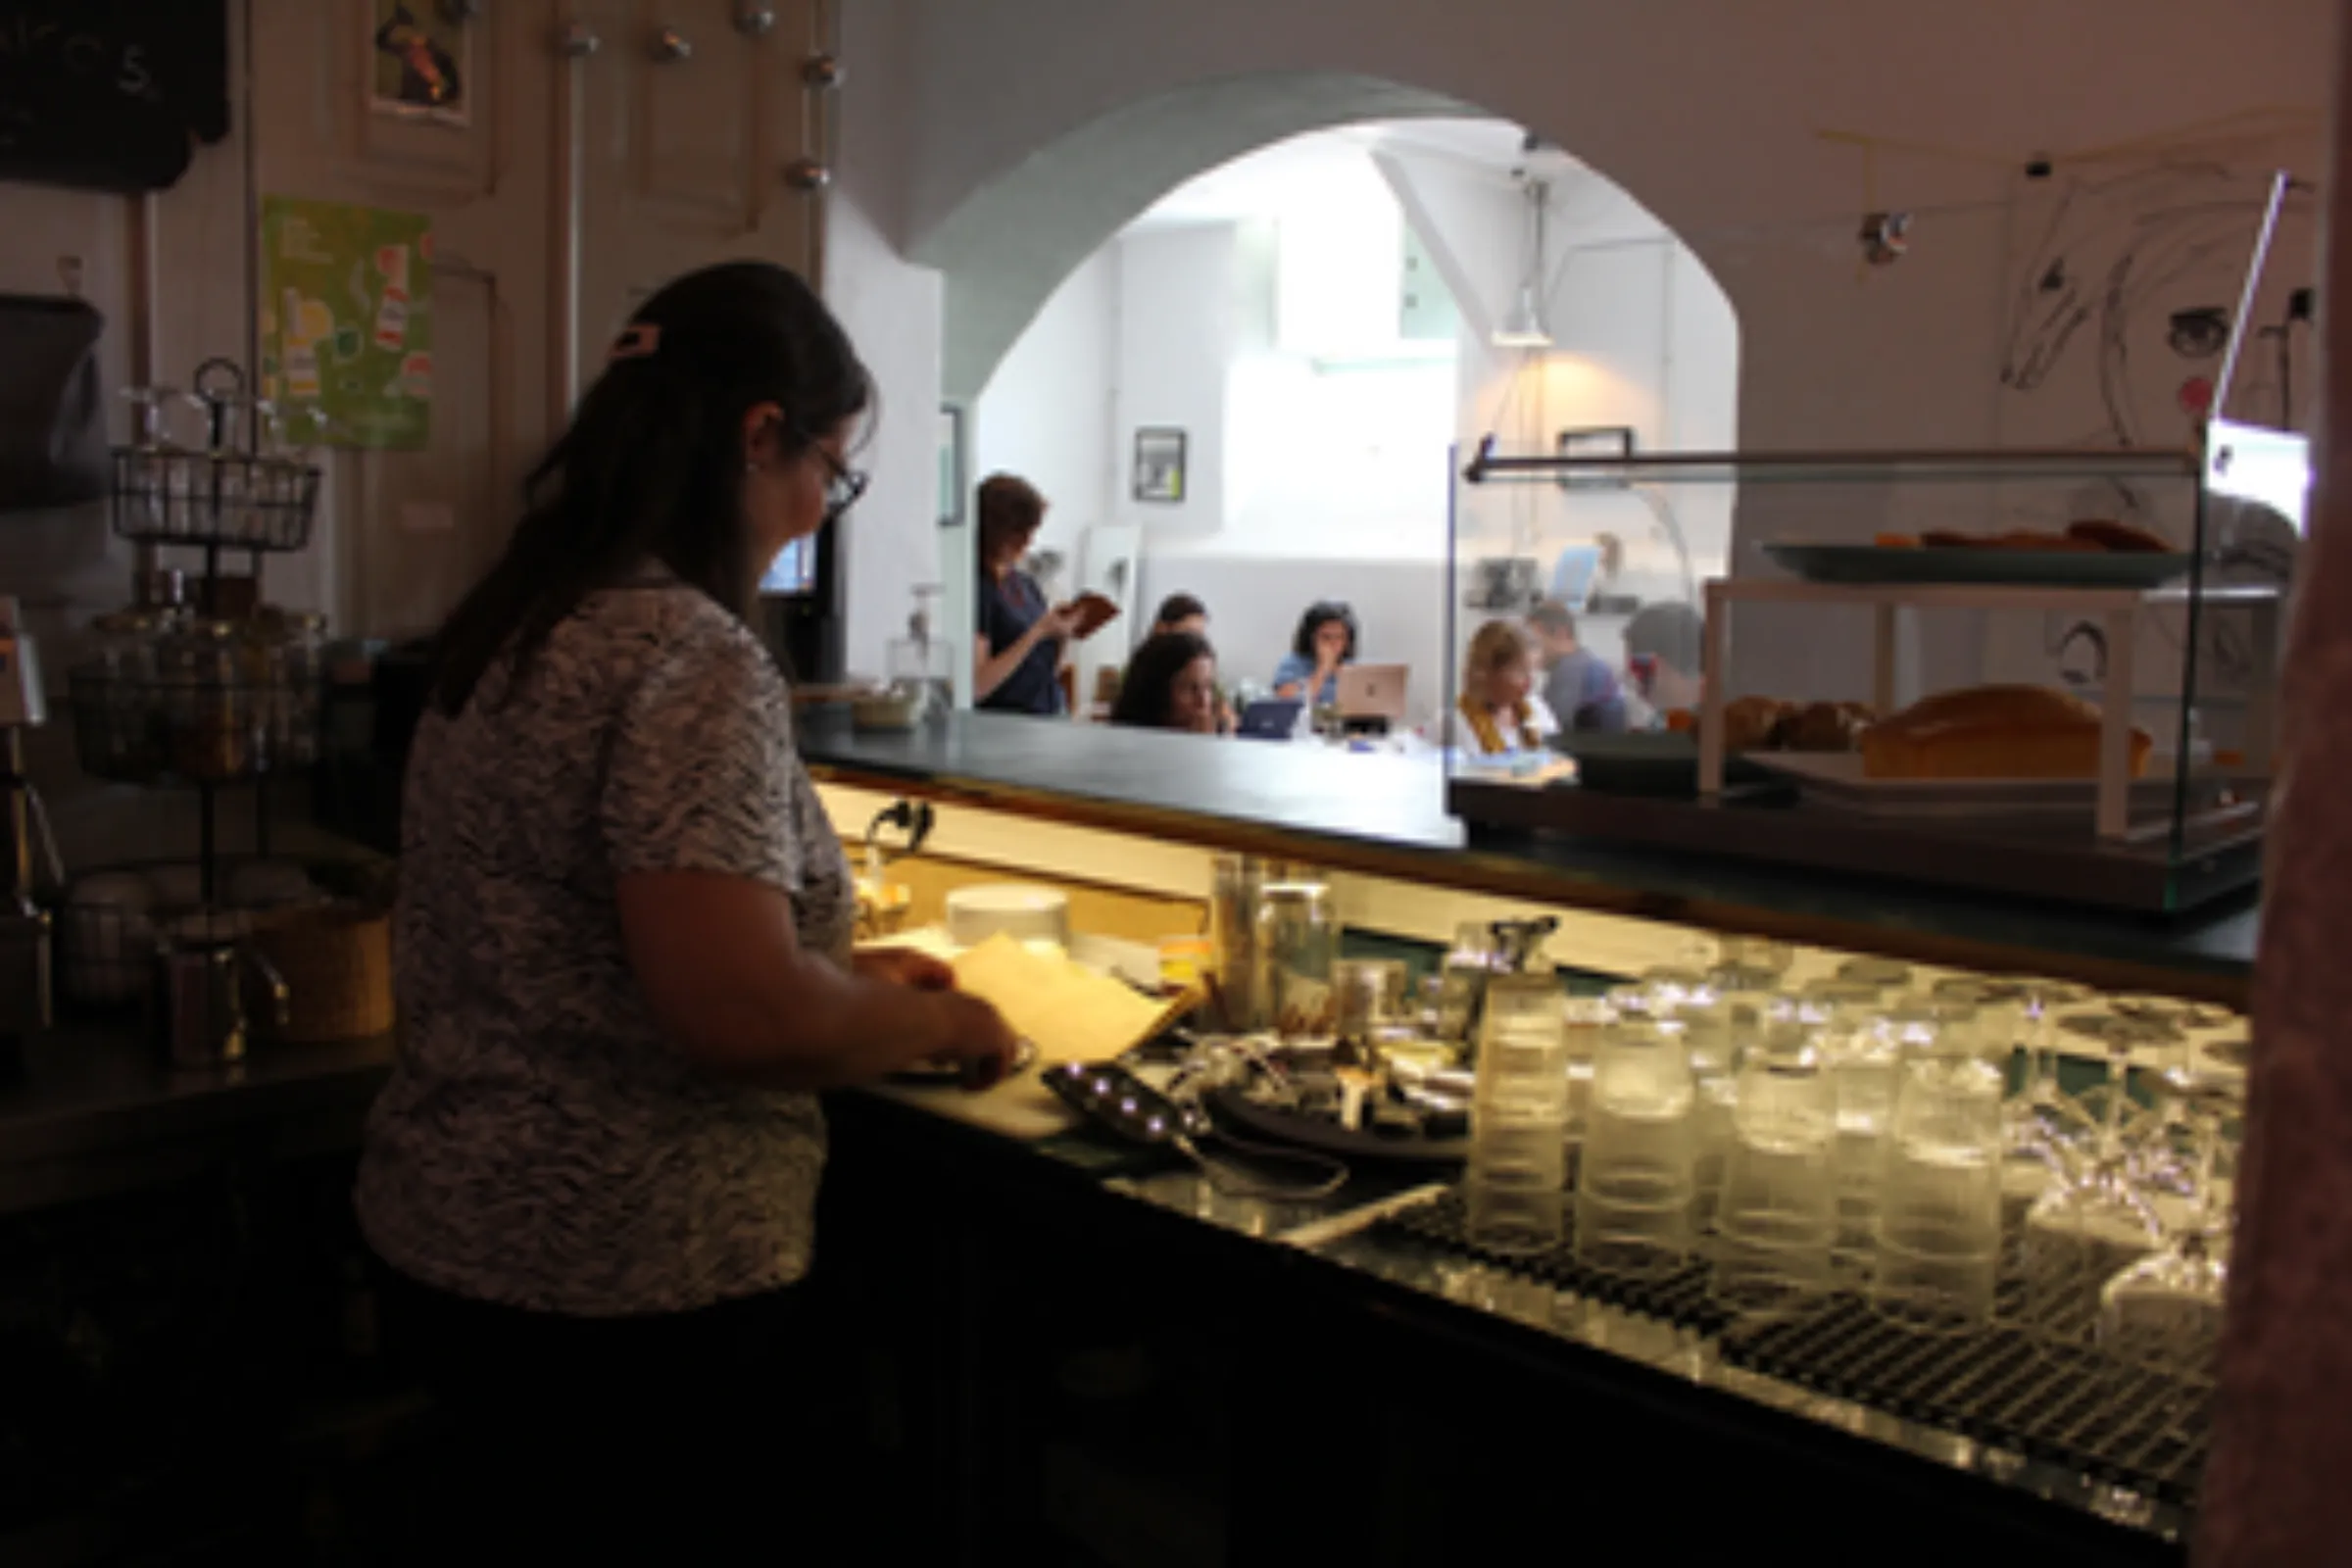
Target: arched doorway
{"points": [[1317, 455]]}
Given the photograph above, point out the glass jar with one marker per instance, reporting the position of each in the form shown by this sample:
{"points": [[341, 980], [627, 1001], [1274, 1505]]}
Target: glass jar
{"points": [[132, 736], [1297, 942], [207, 710], [299, 700]]}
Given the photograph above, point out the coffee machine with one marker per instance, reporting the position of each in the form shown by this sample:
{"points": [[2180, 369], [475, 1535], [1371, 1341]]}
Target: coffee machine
{"points": [[26, 1004]]}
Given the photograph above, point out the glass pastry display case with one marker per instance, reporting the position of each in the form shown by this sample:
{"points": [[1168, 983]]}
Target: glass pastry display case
{"points": [[2042, 673]]}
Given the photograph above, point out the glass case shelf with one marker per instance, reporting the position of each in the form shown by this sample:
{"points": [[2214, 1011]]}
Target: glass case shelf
{"points": [[1919, 678]]}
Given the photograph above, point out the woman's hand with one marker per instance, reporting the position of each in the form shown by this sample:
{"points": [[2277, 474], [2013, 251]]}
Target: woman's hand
{"points": [[980, 1040], [903, 966], [1057, 624]]}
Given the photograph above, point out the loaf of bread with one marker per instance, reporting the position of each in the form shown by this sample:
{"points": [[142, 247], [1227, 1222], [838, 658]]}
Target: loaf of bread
{"points": [[1991, 732]]}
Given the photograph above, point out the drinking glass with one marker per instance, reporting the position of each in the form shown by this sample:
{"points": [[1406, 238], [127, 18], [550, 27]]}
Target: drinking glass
{"points": [[1778, 1216], [2165, 1311], [1865, 1066], [1462, 979], [1518, 1169], [145, 475], [1588, 1021], [1633, 1186], [2092, 1219], [1939, 1198]]}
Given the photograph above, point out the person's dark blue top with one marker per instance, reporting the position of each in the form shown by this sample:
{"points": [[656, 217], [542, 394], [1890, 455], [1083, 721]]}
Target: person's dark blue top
{"points": [[1582, 693], [1008, 606]]}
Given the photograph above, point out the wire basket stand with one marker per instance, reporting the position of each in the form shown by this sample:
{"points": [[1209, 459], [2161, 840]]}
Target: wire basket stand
{"points": [[249, 488]]}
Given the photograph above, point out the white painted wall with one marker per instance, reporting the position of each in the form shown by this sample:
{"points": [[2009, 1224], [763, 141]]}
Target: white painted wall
{"points": [[1180, 322], [1046, 415], [891, 309]]}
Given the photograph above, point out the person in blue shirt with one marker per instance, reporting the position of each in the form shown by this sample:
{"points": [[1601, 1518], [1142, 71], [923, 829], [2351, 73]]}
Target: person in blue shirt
{"points": [[1017, 657], [1578, 687], [1326, 640]]}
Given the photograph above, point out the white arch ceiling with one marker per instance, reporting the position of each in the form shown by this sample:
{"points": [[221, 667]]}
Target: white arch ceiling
{"points": [[1004, 250]]}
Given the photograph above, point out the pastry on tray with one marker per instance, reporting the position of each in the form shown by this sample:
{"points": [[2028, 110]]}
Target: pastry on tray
{"points": [[2119, 537], [1826, 727], [2091, 536], [1753, 723], [1992, 732], [1769, 725]]}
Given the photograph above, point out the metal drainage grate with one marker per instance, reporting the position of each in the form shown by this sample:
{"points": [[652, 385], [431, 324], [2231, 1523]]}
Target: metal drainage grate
{"points": [[1680, 1297], [2001, 1386], [2045, 1396]]}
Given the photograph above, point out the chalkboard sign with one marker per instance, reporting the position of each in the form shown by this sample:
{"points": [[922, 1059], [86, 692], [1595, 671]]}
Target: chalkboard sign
{"points": [[110, 94]]}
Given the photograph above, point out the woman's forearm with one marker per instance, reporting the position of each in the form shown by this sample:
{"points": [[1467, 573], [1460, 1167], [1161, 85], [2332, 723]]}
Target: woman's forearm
{"points": [[992, 671], [818, 1027], [733, 991]]}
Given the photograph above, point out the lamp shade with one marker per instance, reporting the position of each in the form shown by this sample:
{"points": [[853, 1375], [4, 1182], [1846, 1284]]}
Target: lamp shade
{"points": [[1523, 328]]}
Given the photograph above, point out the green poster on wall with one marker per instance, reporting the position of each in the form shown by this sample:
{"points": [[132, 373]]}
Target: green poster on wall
{"points": [[347, 320]]}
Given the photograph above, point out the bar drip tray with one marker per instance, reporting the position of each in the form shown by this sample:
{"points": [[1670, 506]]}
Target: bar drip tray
{"points": [[2036, 1395], [1680, 1297]]}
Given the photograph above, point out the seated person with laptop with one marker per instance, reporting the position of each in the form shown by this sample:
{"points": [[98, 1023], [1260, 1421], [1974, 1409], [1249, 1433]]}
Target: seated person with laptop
{"points": [[1326, 639]]}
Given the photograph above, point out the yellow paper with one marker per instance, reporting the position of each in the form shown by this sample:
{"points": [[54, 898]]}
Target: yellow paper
{"points": [[1070, 1012]]}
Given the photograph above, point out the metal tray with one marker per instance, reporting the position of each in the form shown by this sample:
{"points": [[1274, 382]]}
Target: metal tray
{"points": [[1835, 779], [1330, 1138]]}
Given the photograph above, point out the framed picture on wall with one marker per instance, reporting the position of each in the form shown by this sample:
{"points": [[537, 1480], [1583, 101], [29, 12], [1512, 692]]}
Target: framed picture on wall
{"points": [[1158, 465], [421, 62], [951, 465], [1595, 441]]}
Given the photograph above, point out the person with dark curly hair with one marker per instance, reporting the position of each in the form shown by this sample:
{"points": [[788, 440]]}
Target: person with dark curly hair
{"points": [[1181, 612], [1326, 639], [1171, 683]]}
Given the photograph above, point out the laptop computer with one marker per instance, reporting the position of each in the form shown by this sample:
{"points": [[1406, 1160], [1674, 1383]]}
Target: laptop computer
{"points": [[1270, 719], [1372, 691]]}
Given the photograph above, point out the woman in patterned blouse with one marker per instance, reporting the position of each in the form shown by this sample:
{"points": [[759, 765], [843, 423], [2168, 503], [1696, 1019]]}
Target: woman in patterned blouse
{"points": [[623, 955]]}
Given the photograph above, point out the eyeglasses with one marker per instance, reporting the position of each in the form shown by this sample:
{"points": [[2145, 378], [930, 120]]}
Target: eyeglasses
{"points": [[844, 485]]}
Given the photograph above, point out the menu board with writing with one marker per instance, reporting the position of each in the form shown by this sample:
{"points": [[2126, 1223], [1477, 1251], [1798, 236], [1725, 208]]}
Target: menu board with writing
{"points": [[110, 94], [347, 326]]}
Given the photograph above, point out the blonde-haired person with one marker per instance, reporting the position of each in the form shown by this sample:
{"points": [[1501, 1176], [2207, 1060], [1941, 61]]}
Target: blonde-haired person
{"points": [[1499, 710]]}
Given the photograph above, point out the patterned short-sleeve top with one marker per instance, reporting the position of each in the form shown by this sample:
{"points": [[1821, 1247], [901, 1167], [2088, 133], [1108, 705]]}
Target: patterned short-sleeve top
{"points": [[540, 1144]]}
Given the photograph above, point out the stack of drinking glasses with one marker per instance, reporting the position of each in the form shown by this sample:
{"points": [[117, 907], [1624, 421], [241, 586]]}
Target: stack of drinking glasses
{"points": [[1775, 1222], [1519, 1117], [1939, 1233], [1637, 1178]]}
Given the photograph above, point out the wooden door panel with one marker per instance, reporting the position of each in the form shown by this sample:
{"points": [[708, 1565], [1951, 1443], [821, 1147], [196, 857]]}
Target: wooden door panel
{"points": [[402, 534], [319, 61], [683, 159]]}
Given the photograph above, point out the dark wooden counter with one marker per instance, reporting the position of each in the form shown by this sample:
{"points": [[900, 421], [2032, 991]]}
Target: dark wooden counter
{"points": [[1385, 816]]}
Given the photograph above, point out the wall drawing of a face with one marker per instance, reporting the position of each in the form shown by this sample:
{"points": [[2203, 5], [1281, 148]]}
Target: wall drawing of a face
{"points": [[2121, 294], [2126, 294]]}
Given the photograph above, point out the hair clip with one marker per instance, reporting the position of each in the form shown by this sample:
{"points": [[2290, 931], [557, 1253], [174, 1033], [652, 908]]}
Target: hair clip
{"points": [[637, 341]]}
